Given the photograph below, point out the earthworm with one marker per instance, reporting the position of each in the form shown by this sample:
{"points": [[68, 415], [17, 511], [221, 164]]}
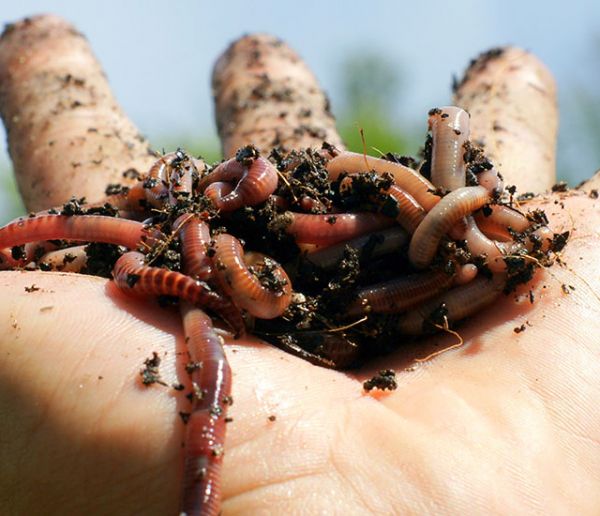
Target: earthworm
{"points": [[410, 181], [465, 273], [245, 289], [328, 229], [458, 303], [491, 180], [494, 250], [393, 202], [377, 243], [92, 228], [400, 294], [217, 191], [194, 235], [337, 347], [133, 276], [7, 261], [70, 259], [410, 212], [206, 426], [256, 182], [311, 205], [504, 217], [501, 219], [157, 180], [182, 174], [440, 219], [450, 131]]}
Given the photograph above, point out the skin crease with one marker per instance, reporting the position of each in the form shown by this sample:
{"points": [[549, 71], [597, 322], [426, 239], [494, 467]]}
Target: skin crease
{"points": [[506, 424]]}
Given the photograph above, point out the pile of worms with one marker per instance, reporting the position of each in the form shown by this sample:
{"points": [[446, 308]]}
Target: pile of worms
{"points": [[331, 255]]}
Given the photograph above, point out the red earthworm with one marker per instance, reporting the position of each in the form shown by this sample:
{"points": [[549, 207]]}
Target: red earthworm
{"points": [[181, 178], [279, 202], [194, 235], [70, 259], [410, 181], [495, 251], [206, 426], [92, 228], [400, 294], [311, 205], [256, 182], [132, 199], [440, 219], [245, 289], [217, 190], [449, 127], [7, 261], [133, 276], [459, 303], [157, 179], [379, 243], [329, 229], [336, 348]]}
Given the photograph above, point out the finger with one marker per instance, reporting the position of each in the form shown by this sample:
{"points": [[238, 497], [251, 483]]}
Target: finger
{"points": [[265, 95], [591, 185], [511, 96], [66, 133]]}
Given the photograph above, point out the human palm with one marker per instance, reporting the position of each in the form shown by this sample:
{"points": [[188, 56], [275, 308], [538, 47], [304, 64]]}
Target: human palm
{"points": [[506, 423]]}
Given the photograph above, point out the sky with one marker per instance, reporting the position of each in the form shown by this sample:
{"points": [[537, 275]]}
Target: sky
{"points": [[138, 42]]}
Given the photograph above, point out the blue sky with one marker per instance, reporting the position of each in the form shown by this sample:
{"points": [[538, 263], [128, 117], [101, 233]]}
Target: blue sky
{"points": [[428, 42]]}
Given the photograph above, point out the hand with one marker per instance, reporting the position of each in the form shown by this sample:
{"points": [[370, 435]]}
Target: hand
{"points": [[507, 423]]}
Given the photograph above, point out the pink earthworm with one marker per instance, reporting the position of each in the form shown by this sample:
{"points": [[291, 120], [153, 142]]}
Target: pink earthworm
{"points": [[194, 235], [410, 212], [495, 251], [504, 217], [459, 303], [92, 228], [256, 182], [70, 259], [465, 273], [381, 242], [329, 229], [400, 294], [452, 208], [491, 180], [410, 181], [245, 288], [133, 276], [206, 426], [497, 223], [449, 127]]}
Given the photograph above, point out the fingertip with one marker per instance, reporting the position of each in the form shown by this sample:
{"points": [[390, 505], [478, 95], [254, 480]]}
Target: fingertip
{"points": [[66, 133], [266, 95], [511, 97]]}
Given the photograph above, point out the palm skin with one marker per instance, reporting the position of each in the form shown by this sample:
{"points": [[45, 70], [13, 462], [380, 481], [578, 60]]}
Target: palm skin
{"points": [[504, 424]]}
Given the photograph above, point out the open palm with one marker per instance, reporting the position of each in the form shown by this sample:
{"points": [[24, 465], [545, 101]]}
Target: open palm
{"points": [[505, 424]]}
